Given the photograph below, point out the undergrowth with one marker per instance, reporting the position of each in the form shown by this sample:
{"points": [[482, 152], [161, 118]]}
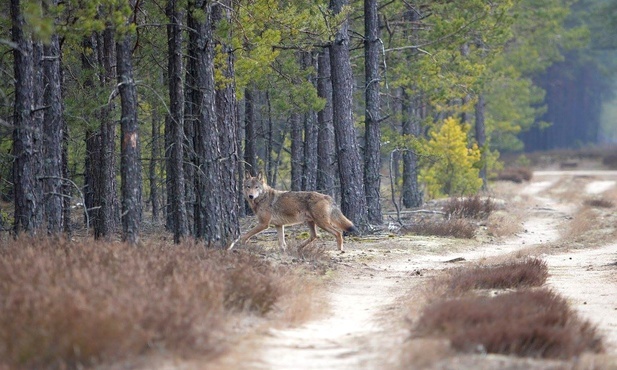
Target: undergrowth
{"points": [[529, 272], [521, 320], [73, 305]]}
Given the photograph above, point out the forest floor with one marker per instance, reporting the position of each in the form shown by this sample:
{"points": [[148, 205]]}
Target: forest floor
{"points": [[379, 285]]}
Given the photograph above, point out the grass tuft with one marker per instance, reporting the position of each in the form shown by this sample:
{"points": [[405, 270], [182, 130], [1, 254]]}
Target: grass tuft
{"points": [[515, 174], [471, 207], [530, 272], [532, 323], [454, 227], [599, 203]]}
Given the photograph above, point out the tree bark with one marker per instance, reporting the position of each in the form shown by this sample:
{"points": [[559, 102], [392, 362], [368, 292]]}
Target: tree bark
{"points": [[207, 148], [53, 137], [325, 139], [480, 129], [130, 165], [228, 128], [27, 191], [297, 151], [309, 178], [250, 133], [152, 166], [372, 133], [175, 126], [353, 197], [106, 199], [412, 196]]}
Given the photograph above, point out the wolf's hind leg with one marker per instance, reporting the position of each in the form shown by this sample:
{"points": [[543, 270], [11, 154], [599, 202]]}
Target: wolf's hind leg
{"points": [[313, 231]]}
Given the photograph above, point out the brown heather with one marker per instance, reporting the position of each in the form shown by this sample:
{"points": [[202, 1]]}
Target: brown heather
{"points": [[71, 305], [515, 174], [471, 207], [530, 272], [454, 227], [531, 323]]}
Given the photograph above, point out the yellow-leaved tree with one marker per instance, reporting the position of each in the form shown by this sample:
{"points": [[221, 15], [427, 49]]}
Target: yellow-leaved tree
{"points": [[451, 167]]}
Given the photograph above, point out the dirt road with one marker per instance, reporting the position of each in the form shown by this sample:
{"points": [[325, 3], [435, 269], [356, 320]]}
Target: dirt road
{"points": [[377, 279]]}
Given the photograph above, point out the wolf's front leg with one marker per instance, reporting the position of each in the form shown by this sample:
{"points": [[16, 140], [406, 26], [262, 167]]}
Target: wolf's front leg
{"points": [[256, 230], [280, 230]]}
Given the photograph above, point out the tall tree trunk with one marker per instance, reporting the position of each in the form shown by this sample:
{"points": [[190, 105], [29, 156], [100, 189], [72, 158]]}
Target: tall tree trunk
{"points": [[311, 135], [27, 191], [372, 133], [228, 129], [325, 140], [297, 151], [152, 167], [53, 136], [191, 119], [481, 137], [206, 135], [175, 126], [130, 165], [412, 196], [250, 133], [106, 197], [353, 197]]}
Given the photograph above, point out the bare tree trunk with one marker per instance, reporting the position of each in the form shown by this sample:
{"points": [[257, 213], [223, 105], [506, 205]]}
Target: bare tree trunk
{"points": [[353, 197], [207, 137], [325, 140], [175, 126], [297, 151], [27, 191], [481, 137], [228, 129], [372, 133], [106, 196], [53, 136], [130, 164], [412, 196], [152, 166], [311, 133], [250, 133]]}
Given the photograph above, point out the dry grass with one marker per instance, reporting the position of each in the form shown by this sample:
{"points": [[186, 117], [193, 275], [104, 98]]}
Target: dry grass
{"points": [[515, 174], [502, 224], [532, 323], [454, 227], [471, 207], [599, 203], [72, 305], [529, 272], [610, 160], [583, 221]]}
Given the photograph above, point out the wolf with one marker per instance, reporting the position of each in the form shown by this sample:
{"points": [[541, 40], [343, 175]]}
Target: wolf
{"points": [[283, 208]]}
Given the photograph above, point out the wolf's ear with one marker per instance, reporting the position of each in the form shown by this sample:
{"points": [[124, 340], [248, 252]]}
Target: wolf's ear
{"points": [[260, 176], [247, 174]]}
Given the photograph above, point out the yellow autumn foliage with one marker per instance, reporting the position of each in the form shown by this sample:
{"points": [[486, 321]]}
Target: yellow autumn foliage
{"points": [[451, 167]]}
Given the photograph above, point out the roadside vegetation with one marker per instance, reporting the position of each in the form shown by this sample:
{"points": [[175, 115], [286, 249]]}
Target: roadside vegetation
{"points": [[504, 309], [73, 305]]}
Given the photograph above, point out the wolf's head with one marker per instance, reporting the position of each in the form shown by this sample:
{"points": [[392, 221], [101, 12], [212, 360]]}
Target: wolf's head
{"points": [[253, 186]]}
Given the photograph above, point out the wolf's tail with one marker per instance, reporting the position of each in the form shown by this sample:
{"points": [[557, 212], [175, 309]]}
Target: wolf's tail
{"points": [[342, 222]]}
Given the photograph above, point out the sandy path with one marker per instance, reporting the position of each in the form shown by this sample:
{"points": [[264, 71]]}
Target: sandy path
{"points": [[359, 332]]}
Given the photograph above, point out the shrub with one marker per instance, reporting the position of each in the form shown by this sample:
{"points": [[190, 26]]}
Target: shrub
{"points": [[66, 304], [455, 227], [533, 323], [599, 203], [515, 174], [470, 207], [456, 171], [527, 273], [610, 160]]}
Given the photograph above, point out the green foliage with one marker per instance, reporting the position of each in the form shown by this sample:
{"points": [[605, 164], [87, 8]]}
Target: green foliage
{"points": [[451, 168]]}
